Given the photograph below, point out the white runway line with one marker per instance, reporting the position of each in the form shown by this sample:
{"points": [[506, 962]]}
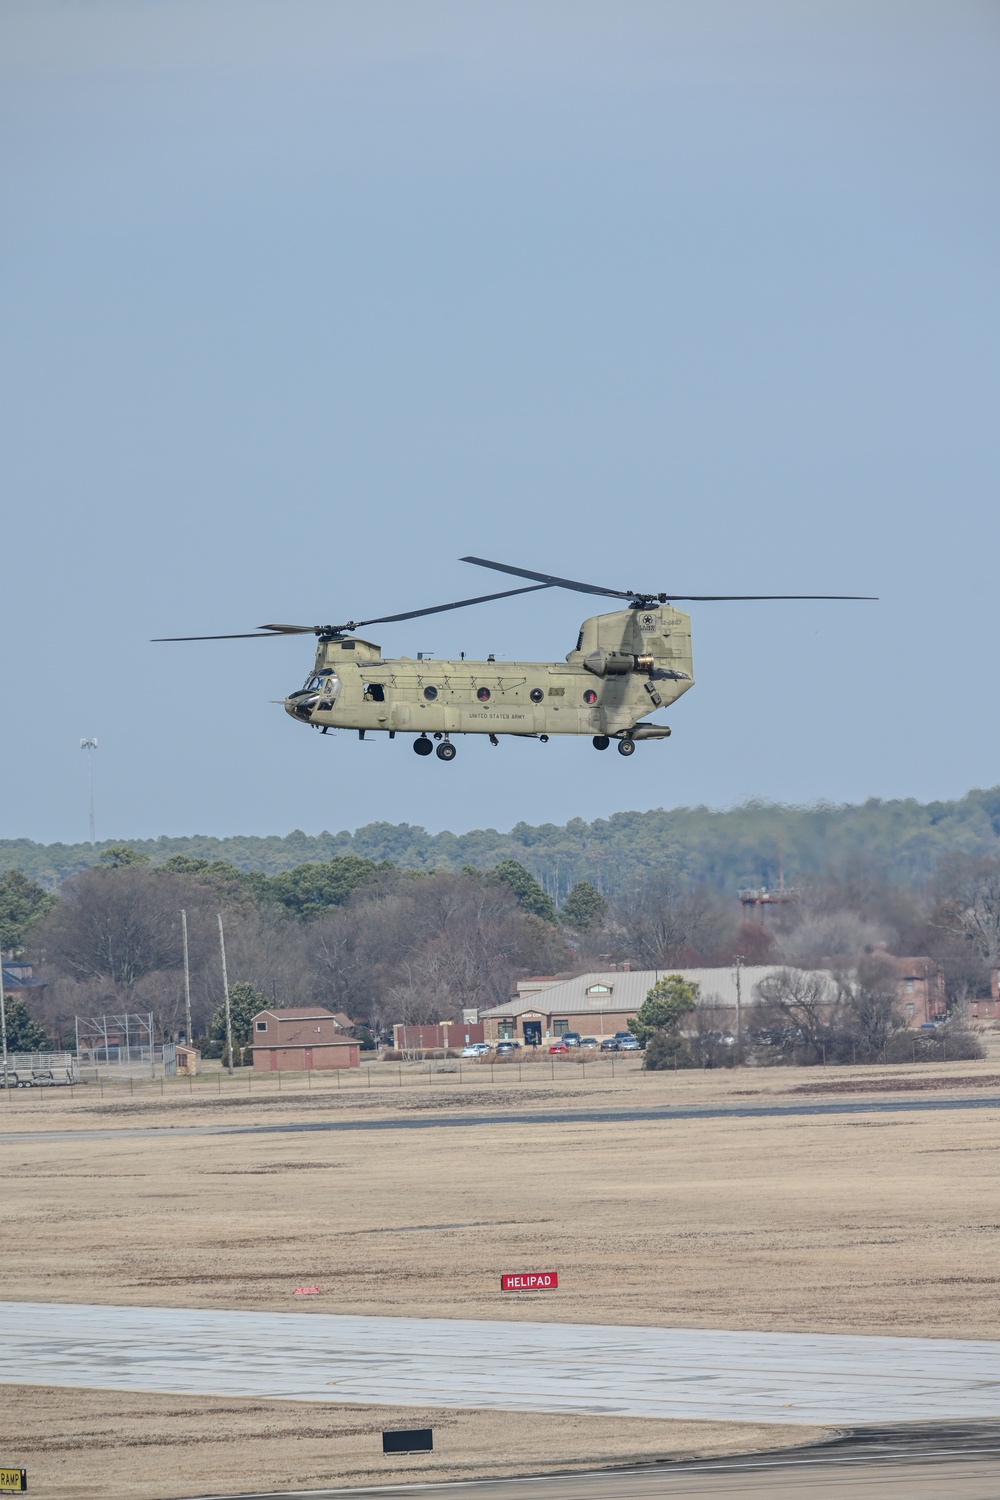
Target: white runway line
{"points": [[555, 1367]]}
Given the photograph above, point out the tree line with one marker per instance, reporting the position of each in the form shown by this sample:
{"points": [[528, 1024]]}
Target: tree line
{"points": [[387, 945], [753, 845]]}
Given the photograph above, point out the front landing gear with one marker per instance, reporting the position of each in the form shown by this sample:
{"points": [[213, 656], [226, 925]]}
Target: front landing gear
{"points": [[626, 747], [422, 745], [601, 742], [446, 750]]}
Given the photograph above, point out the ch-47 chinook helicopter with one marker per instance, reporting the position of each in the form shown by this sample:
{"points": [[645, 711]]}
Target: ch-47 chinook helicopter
{"points": [[624, 666]]}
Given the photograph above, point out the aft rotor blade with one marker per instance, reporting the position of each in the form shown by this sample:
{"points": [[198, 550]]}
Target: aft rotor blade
{"points": [[548, 580], [437, 609], [750, 598]]}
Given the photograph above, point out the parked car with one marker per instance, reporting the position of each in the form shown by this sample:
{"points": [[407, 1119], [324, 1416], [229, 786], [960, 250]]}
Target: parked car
{"points": [[505, 1048], [629, 1044], [559, 1047], [475, 1049], [621, 1036], [571, 1038], [610, 1044], [589, 1043]]}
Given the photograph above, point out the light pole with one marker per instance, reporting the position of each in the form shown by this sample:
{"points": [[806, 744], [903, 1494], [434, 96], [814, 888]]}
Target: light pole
{"points": [[90, 746]]}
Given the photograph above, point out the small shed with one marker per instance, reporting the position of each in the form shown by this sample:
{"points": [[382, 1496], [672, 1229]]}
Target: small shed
{"points": [[188, 1060], [303, 1039]]}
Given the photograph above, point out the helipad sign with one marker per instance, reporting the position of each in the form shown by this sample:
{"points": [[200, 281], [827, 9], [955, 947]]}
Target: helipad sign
{"points": [[530, 1281]]}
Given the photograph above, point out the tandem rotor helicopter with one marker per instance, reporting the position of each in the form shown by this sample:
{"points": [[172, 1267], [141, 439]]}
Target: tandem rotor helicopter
{"points": [[624, 666]]}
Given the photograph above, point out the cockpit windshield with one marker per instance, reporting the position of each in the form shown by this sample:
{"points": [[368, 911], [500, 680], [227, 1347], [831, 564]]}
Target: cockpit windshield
{"points": [[326, 682]]}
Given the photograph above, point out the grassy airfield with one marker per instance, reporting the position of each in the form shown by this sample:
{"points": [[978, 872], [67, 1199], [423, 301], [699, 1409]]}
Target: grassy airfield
{"points": [[839, 1224]]}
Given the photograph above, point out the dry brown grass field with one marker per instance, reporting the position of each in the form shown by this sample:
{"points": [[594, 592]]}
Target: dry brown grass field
{"points": [[839, 1223], [111, 1445]]}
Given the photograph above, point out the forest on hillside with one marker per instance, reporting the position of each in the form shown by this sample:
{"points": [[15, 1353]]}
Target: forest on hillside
{"points": [[756, 844]]}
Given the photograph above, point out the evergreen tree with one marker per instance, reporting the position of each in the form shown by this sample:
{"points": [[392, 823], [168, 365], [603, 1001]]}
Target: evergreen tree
{"points": [[118, 855], [668, 1000], [529, 894], [584, 906], [21, 901], [244, 1003], [23, 1033]]}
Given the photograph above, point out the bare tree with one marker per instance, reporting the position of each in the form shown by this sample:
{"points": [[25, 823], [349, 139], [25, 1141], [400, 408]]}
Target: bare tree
{"points": [[798, 1011]]}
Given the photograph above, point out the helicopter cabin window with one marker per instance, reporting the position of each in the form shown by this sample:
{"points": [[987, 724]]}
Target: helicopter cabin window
{"points": [[374, 692], [430, 693], [483, 694], [590, 696], [536, 695]]}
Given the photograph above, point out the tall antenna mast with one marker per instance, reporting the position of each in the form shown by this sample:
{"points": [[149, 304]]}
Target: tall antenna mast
{"points": [[90, 746]]}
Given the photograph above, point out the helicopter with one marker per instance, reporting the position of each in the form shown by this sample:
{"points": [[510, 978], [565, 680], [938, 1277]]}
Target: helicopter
{"points": [[625, 665]]}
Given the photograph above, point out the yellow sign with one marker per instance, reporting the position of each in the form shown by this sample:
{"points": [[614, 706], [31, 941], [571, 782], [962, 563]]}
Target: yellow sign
{"points": [[13, 1481]]}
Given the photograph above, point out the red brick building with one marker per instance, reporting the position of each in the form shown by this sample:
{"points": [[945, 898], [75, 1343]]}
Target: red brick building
{"points": [[301, 1040]]}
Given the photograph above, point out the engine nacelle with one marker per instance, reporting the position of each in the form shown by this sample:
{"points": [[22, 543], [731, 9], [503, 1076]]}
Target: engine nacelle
{"points": [[616, 663]]}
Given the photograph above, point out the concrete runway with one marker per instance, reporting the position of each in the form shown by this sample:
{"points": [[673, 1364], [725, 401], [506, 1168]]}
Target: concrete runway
{"points": [[831, 1380], [434, 1121]]}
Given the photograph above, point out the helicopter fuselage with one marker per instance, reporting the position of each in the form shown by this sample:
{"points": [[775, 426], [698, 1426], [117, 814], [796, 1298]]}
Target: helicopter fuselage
{"points": [[625, 666]]}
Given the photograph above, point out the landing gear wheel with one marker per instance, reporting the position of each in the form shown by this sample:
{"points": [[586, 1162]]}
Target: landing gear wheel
{"points": [[422, 745], [446, 750], [601, 742], [626, 747]]}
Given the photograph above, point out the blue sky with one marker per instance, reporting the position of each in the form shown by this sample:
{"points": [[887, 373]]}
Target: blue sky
{"points": [[305, 300]]}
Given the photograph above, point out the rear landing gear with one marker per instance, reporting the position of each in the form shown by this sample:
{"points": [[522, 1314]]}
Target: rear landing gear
{"points": [[626, 747], [601, 742], [422, 745], [446, 750]]}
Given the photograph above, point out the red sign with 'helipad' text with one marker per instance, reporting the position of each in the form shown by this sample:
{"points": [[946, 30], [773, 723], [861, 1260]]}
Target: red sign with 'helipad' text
{"points": [[532, 1281]]}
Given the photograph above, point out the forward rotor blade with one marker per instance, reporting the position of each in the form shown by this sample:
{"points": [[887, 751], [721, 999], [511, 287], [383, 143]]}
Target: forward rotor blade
{"points": [[269, 632], [437, 609], [245, 635], [549, 580]]}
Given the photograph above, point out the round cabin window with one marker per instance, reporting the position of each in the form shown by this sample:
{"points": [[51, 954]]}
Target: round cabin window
{"points": [[590, 696], [483, 694], [536, 695], [430, 693]]}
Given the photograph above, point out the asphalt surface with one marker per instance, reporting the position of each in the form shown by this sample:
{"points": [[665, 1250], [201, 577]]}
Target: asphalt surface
{"points": [[918, 1461], [708, 1374], [432, 1120]]}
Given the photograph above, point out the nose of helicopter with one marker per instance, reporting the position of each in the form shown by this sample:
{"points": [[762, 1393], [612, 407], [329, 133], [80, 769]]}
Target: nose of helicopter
{"points": [[300, 705]]}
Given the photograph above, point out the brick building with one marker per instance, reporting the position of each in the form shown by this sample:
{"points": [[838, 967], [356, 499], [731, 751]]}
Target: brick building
{"points": [[301, 1039]]}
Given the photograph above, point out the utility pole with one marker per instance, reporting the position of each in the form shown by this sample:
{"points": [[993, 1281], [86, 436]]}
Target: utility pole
{"points": [[187, 980], [3, 1030], [90, 746], [739, 961], [225, 986]]}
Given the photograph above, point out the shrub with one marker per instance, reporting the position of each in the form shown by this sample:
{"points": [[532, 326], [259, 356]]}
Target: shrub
{"points": [[665, 1049]]}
